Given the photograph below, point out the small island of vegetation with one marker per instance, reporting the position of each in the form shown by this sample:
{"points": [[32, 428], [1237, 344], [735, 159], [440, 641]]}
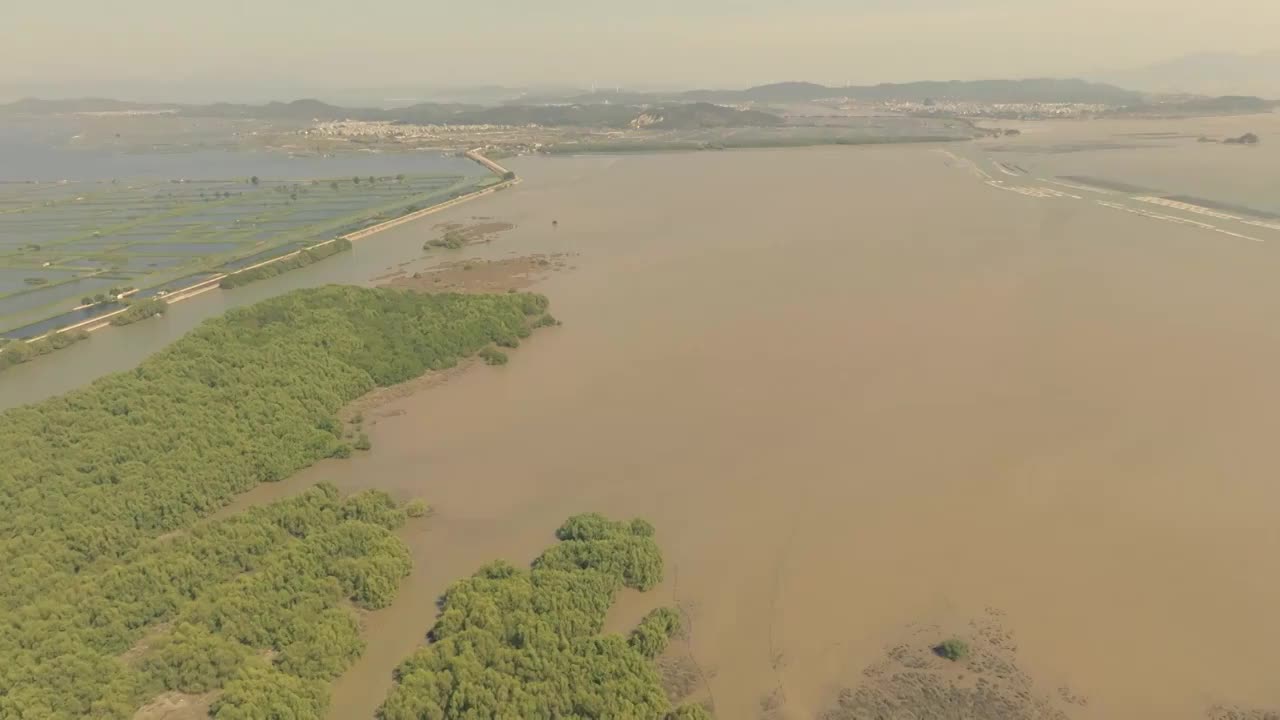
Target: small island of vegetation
{"points": [[140, 310], [452, 239], [16, 352], [528, 643]]}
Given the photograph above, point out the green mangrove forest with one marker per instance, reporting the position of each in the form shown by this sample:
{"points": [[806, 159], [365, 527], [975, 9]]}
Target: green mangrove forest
{"points": [[115, 586]]}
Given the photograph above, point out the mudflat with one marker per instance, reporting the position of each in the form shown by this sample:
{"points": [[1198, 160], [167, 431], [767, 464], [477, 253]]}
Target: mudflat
{"points": [[870, 403]]}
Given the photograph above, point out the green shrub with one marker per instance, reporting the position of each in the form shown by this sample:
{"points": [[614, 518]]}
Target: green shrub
{"points": [[452, 240], [533, 304], [690, 712], [652, 634], [953, 649], [416, 508], [375, 507], [362, 442], [587, 526]]}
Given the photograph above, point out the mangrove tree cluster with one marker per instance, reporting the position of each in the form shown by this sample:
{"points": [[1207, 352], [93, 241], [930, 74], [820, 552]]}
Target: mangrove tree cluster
{"points": [[195, 613], [514, 643], [16, 352], [95, 483]]}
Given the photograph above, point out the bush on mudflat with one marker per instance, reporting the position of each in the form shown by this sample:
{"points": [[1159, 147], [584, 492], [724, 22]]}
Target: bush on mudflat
{"points": [[493, 356], [953, 649]]}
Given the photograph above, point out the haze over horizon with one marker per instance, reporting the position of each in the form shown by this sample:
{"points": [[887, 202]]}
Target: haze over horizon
{"points": [[240, 50]]}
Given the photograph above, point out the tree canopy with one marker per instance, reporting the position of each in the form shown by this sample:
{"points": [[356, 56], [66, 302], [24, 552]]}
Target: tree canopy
{"points": [[193, 613], [111, 587]]}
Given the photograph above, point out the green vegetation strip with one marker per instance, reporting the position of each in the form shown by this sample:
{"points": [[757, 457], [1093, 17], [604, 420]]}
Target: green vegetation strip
{"points": [[93, 484], [304, 258], [140, 310], [16, 352], [514, 643]]}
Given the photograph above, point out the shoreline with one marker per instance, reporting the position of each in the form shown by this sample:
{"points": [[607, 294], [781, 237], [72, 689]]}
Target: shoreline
{"points": [[507, 177]]}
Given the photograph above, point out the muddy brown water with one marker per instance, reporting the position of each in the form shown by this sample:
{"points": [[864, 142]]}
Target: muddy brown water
{"points": [[857, 390]]}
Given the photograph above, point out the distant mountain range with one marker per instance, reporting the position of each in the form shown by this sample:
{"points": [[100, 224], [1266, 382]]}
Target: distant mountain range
{"points": [[1205, 74], [1033, 90], [534, 109], [679, 110], [662, 115]]}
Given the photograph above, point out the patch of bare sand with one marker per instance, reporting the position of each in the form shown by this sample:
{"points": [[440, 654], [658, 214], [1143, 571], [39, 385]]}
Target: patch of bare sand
{"points": [[482, 276], [369, 408], [177, 706], [913, 682]]}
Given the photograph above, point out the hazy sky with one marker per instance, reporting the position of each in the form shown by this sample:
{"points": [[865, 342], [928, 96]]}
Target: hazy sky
{"points": [[672, 43]]}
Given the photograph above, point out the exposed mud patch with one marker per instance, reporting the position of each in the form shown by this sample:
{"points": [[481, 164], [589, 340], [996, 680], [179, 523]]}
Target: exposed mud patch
{"points": [[482, 276], [368, 409], [177, 706], [913, 682], [684, 679]]}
